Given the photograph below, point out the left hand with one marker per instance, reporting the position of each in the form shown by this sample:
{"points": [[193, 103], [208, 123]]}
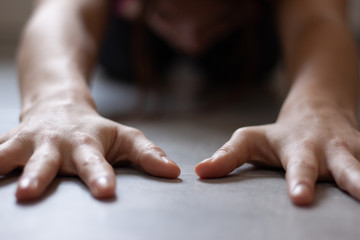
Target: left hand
{"points": [[310, 144]]}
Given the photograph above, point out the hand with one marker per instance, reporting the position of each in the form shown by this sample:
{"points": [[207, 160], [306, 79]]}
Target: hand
{"points": [[309, 144], [75, 140]]}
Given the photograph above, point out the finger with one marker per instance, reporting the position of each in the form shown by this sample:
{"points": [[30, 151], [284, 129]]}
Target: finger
{"points": [[147, 155], [95, 171], [38, 173], [346, 172], [13, 154], [245, 144], [301, 175]]}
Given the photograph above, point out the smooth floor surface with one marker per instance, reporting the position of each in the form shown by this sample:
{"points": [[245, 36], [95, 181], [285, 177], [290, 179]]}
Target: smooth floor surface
{"points": [[251, 203]]}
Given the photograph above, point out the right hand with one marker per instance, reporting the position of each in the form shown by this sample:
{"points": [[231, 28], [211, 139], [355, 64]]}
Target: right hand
{"points": [[75, 140]]}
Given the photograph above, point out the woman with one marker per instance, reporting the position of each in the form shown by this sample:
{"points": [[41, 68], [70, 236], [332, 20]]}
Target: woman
{"points": [[315, 135], [231, 43]]}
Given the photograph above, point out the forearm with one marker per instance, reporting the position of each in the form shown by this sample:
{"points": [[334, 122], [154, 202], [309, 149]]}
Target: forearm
{"points": [[58, 50], [322, 65]]}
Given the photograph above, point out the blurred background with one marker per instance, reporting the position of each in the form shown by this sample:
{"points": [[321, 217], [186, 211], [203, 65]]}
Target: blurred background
{"points": [[13, 15]]}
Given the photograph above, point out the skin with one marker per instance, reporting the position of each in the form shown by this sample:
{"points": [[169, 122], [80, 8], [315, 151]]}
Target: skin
{"points": [[315, 135], [60, 130]]}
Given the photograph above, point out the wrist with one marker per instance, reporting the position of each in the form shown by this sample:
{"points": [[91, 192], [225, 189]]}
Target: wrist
{"points": [[61, 100], [324, 107]]}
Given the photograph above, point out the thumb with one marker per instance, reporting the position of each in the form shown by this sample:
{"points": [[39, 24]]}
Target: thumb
{"points": [[245, 144]]}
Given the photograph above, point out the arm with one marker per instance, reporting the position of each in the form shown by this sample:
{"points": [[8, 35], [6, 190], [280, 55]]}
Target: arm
{"points": [[320, 55], [60, 45], [60, 129], [315, 134]]}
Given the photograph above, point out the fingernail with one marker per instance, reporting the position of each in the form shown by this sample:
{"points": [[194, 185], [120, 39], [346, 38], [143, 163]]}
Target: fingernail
{"points": [[165, 159], [24, 183], [300, 189], [28, 183], [102, 182]]}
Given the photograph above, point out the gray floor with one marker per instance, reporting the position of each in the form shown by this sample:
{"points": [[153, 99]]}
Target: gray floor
{"points": [[249, 204]]}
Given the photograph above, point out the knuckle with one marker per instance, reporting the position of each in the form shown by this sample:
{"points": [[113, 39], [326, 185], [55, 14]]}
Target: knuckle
{"points": [[338, 143], [49, 137], [134, 133], [43, 156], [83, 139], [224, 150], [152, 149], [310, 166], [247, 133], [90, 162], [308, 144], [243, 132], [24, 135], [149, 152]]}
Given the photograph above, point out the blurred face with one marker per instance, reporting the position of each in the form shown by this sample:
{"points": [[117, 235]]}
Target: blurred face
{"points": [[192, 26]]}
